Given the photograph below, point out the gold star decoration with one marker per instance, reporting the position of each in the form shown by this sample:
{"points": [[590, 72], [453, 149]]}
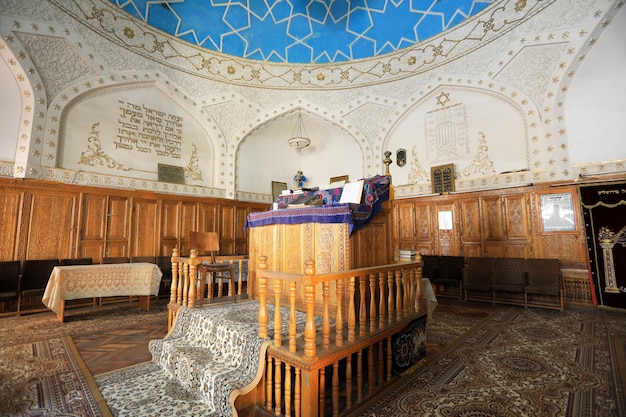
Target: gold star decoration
{"points": [[443, 98]]}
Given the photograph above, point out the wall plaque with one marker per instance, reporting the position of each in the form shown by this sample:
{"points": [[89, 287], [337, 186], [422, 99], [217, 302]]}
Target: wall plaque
{"points": [[442, 178], [171, 173]]}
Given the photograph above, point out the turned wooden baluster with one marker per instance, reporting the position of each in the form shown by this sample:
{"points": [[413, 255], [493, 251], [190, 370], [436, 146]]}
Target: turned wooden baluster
{"points": [[278, 338], [297, 402], [359, 376], [389, 359], [362, 306], [371, 381], [278, 387], [381, 361], [349, 382], [269, 384], [309, 300], [391, 305], [174, 285], [339, 314], [351, 311], [287, 389], [335, 389], [325, 316], [292, 317], [190, 283], [262, 297], [382, 313], [240, 263], [419, 291], [399, 294], [373, 304], [322, 391]]}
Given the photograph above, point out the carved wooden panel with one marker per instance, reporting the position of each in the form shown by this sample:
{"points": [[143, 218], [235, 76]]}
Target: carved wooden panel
{"points": [[144, 234], [495, 249], [470, 220], [518, 221], [10, 212], [189, 218], [406, 225], [493, 223], [227, 226], [424, 222], [92, 249], [566, 247], [51, 239]]}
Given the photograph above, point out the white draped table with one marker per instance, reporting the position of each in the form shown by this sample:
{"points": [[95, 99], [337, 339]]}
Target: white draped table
{"points": [[73, 282]]}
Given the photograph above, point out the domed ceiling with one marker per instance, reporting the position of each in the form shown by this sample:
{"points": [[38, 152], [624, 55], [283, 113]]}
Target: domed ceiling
{"points": [[303, 31]]}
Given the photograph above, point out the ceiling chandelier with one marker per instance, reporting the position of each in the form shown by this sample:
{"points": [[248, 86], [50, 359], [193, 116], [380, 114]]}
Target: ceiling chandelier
{"points": [[299, 138]]}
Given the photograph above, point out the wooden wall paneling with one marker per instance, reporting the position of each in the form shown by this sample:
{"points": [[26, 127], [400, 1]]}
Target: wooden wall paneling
{"points": [[208, 215], [93, 226], [11, 202], [448, 240], [406, 225], [426, 231], [227, 229], [170, 236], [519, 226], [241, 241], [470, 225], [144, 227], [493, 226], [49, 239], [118, 226]]}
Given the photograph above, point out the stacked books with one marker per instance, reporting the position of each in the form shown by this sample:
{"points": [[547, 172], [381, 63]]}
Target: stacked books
{"points": [[407, 254]]}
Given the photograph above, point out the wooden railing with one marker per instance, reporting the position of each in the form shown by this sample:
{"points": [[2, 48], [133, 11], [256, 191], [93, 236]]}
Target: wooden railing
{"points": [[347, 337], [188, 291]]}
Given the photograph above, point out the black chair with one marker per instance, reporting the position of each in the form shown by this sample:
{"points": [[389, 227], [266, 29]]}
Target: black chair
{"points": [[147, 259], [165, 265], [544, 287], [116, 260], [76, 261], [35, 276], [10, 283], [478, 278], [449, 272]]}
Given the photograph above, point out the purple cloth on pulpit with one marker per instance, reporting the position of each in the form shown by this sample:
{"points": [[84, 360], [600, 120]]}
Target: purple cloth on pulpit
{"points": [[339, 213]]}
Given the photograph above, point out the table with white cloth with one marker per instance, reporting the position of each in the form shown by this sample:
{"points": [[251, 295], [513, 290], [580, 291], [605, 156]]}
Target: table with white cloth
{"points": [[74, 282], [430, 299]]}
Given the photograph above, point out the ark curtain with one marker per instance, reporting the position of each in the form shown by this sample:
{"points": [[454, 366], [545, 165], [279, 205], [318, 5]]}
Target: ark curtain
{"points": [[604, 209]]}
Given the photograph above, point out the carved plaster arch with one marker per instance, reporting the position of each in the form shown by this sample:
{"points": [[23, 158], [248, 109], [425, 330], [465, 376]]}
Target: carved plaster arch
{"points": [[287, 110], [77, 92], [511, 96], [33, 111]]}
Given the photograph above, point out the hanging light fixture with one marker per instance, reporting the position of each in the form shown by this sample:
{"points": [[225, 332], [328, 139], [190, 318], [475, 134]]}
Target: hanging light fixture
{"points": [[299, 138]]}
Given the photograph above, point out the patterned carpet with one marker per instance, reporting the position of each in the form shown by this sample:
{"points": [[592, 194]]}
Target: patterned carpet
{"points": [[47, 378], [519, 362]]}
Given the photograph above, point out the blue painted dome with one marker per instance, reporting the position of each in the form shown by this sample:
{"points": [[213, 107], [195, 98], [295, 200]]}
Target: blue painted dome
{"points": [[303, 31]]}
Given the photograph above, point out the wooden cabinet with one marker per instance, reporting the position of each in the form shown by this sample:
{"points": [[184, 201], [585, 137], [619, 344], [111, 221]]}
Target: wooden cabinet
{"points": [[506, 226], [144, 227], [470, 227]]}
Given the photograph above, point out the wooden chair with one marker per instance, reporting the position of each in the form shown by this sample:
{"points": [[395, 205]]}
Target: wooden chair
{"points": [[208, 243]]}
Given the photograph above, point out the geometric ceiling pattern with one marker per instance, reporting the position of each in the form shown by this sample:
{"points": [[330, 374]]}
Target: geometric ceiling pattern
{"points": [[303, 31]]}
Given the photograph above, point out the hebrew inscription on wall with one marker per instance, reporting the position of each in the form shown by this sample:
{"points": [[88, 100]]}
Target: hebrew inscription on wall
{"points": [[150, 131]]}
